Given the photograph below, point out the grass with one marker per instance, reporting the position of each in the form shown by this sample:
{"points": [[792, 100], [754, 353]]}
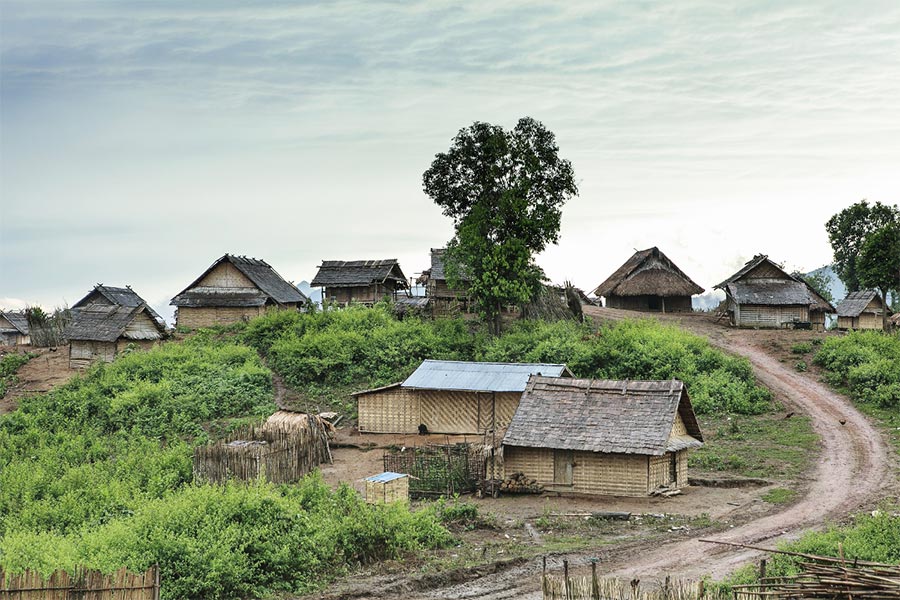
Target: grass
{"points": [[9, 365], [767, 446], [779, 496]]}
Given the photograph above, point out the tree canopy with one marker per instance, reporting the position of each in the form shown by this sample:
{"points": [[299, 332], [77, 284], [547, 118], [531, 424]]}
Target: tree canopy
{"points": [[504, 191], [848, 231], [878, 265]]}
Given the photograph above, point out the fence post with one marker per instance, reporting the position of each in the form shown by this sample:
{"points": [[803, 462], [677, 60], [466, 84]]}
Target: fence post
{"points": [[156, 581], [544, 578], [566, 578], [595, 585], [667, 592], [762, 575]]}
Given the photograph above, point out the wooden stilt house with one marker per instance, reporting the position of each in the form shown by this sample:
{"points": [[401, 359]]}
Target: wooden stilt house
{"points": [[617, 438], [99, 332], [361, 281], [649, 281], [452, 397], [233, 289], [861, 310], [13, 329], [762, 294], [443, 299]]}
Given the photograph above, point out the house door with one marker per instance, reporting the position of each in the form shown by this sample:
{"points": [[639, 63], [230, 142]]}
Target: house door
{"points": [[673, 469], [653, 303], [562, 466]]}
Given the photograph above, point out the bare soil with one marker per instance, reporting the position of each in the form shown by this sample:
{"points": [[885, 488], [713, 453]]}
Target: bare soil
{"points": [[41, 374], [856, 468]]}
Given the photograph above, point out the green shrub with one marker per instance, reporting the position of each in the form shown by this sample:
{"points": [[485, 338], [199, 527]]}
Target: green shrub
{"points": [[802, 348], [867, 363], [801, 366], [9, 364]]}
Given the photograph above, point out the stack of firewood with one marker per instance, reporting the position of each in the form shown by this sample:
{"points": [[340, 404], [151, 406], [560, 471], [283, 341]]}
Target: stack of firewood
{"points": [[517, 483]]}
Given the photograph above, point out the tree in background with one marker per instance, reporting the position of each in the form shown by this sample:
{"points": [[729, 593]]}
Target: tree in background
{"points": [[848, 231], [820, 282], [878, 264], [504, 191]]}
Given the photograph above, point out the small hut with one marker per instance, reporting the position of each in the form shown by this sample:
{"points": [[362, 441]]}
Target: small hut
{"points": [[818, 309], [618, 438], [762, 294], [107, 295], [98, 333], [361, 281], [14, 329], [649, 281], [453, 397], [234, 289], [861, 310], [387, 487], [443, 298]]}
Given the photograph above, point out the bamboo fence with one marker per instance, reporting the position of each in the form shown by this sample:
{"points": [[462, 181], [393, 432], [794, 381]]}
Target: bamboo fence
{"points": [[274, 452], [438, 470], [83, 584]]}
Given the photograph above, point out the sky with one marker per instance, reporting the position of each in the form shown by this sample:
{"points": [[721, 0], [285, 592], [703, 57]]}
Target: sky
{"points": [[140, 141]]}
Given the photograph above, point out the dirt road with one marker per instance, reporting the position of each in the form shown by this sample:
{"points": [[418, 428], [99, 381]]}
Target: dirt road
{"points": [[856, 468]]}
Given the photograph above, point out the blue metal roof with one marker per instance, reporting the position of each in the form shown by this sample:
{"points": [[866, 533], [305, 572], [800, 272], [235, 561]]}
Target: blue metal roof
{"points": [[479, 376], [385, 477]]}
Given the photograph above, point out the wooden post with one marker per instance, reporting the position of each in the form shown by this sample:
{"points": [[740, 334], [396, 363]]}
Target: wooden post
{"points": [[595, 584], [156, 582], [566, 578], [762, 574]]}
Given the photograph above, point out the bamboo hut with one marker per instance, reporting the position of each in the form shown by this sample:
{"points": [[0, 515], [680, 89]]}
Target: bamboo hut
{"points": [[444, 299], [861, 310], [106, 295], [361, 281], [453, 397], [762, 294], [818, 309], [649, 281], [14, 329], [618, 438], [387, 487], [97, 332], [233, 289]]}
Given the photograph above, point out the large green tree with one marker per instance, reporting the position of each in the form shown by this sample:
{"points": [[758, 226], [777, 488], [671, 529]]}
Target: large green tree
{"points": [[504, 190], [878, 265], [848, 231]]}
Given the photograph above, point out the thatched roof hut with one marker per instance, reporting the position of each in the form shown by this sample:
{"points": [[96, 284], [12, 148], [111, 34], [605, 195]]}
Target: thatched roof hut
{"points": [[649, 281], [99, 332], [107, 295], [625, 438], [862, 310], [14, 328], [363, 281], [762, 294], [818, 308], [232, 289]]}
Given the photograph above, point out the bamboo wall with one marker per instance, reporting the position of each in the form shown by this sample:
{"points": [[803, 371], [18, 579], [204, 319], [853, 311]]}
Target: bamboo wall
{"points": [[225, 276], [865, 320], [643, 303], [364, 294], [209, 316], [83, 583], [83, 354], [758, 315], [392, 410], [396, 490], [142, 327]]}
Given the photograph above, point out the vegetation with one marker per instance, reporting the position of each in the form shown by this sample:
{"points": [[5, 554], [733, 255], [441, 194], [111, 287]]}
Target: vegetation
{"points": [[878, 264], [866, 364], [820, 282], [504, 191], [9, 365], [46, 329], [849, 232], [779, 496], [98, 473]]}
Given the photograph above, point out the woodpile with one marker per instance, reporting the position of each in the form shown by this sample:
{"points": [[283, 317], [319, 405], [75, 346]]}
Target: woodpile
{"points": [[517, 483]]}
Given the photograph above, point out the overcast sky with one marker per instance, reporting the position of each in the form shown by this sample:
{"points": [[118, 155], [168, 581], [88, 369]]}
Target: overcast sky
{"points": [[139, 141]]}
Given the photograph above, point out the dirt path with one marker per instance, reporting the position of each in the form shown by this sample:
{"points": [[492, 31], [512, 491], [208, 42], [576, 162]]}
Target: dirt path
{"points": [[856, 468], [41, 374]]}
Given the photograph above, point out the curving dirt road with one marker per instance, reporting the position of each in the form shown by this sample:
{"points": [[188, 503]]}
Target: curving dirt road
{"points": [[856, 469]]}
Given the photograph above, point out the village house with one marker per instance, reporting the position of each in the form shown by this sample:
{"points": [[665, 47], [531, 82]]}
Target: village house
{"points": [[452, 397], [818, 309], [106, 295], [762, 294], [361, 281], [234, 289], [617, 438], [444, 300], [861, 310], [14, 329], [649, 281], [99, 332]]}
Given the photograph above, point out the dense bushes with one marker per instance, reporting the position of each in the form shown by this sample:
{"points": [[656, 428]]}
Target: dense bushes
{"points": [[369, 347], [9, 364], [867, 363]]}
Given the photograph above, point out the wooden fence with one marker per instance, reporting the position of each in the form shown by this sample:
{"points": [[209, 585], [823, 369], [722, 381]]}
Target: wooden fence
{"points": [[277, 454], [83, 584], [438, 470]]}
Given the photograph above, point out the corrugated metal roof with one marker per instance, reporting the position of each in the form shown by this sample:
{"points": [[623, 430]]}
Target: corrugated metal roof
{"points": [[479, 376], [385, 477]]}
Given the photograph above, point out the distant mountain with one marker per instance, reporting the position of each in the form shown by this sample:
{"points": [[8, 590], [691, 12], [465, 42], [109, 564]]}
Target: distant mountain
{"points": [[835, 285], [314, 294]]}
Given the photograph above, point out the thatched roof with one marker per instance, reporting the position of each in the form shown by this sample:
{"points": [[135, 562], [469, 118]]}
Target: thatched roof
{"points": [[648, 272], [856, 302], [353, 273], [624, 417], [17, 320], [270, 287], [107, 323], [119, 296]]}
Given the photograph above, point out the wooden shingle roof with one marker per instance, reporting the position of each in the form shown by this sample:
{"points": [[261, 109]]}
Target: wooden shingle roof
{"points": [[624, 417], [107, 323], [856, 302], [648, 272], [270, 286], [350, 273], [17, 320], [119, 296], [776, 287]]}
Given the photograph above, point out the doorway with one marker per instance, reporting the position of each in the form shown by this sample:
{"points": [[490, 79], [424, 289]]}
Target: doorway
{"points": [[563, 461]]}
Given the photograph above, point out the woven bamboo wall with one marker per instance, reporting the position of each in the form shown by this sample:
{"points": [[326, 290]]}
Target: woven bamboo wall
{"points": [[451, 412], [394, 410], [83, 354], [682, 465], [679, 428], [83, 583], [870, 321], [660, 471], [363, 293], [194, 317], [396, 490], [752, 315], [593, 473], [507, 403], [226, 276]]}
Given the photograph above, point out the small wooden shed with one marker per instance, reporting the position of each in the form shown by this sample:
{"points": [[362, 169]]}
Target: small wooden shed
{"points": [[452, 397], [361, 281], [14, 329], [387, 487], [861, 310], [444, 299], [234, 289], [649, 281], [618, 438], [97, 332], [818, 309], [762, 294]]}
